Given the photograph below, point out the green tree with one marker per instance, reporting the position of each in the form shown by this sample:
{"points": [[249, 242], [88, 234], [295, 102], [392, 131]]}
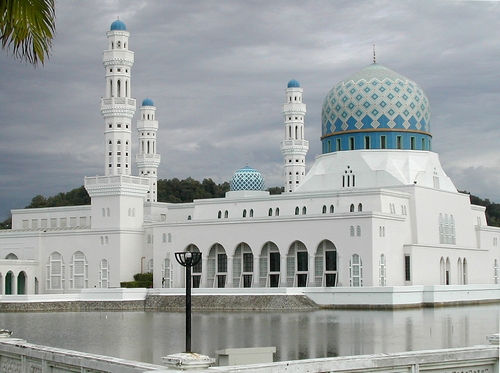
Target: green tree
{"points": [[27, 28]]}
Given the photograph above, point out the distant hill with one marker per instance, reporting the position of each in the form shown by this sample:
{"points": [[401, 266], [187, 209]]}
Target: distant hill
{"points": [[187, 190]]}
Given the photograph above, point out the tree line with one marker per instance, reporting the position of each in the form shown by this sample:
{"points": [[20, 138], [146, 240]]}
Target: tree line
{"points": [[187, 190]]}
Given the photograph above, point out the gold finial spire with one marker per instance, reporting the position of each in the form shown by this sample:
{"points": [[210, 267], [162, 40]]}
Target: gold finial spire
{"points": [[374, 55]]}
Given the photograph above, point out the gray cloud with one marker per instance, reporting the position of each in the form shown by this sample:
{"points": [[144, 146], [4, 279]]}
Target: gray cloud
{"points": [[217, 71]]}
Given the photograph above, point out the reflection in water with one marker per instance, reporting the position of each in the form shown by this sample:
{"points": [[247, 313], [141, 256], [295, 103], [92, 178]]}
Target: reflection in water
{"points": [[147, 336]]}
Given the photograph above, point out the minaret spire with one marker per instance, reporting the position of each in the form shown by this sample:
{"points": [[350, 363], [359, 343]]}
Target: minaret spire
{"points": [[117, 107], [147, 160], [294, 148]]}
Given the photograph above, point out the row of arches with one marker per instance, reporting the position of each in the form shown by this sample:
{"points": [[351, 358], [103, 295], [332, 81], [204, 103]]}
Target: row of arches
{"points": [[297, 268], [297, 211], [446, 269]]}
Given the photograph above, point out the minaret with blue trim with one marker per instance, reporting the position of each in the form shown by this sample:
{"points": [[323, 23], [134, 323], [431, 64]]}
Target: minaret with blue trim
{"points": [[147, 160], [117, 107], [294, 148]]}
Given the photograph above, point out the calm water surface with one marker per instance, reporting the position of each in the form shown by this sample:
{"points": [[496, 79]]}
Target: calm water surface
{"points": [[147, 336]]}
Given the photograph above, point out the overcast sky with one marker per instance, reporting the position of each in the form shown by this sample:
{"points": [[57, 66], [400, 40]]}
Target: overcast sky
{"points": [[217, 70]]}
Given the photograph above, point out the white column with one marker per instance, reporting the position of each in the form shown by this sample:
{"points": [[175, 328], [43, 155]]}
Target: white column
{"points": [[229, 278], [282, 270], [255, 277], [310, 271], [204, 272]]}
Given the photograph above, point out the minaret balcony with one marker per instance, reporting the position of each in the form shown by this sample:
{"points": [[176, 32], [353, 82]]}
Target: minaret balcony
{"points": [[295, 143], [145, 160], [114, 101]]}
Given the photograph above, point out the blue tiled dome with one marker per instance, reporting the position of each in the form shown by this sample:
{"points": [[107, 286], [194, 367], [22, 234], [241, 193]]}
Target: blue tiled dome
{"points": [[372, 103], [247, 179], [293, 84], [147, 102], [118, 25]]}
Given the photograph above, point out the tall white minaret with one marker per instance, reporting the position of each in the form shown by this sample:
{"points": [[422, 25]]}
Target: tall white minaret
{"points": [[117, 107], [294, 148], [147, 160]]}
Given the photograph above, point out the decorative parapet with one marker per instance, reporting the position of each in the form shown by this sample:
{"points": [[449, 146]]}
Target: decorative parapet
{"points": [[116, 184]]}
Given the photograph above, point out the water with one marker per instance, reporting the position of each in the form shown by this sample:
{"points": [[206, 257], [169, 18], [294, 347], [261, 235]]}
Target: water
{"points": [[147, 336]]}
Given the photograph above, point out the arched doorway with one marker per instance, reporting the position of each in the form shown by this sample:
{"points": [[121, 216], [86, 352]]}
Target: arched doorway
{"points": [[21, 283], [8, 283]]}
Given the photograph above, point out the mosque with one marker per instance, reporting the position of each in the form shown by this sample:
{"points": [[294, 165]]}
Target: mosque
{"points": [[375, 209]]}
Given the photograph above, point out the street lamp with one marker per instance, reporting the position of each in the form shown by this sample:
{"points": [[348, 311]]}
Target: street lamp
{"points": [[188, 259]]}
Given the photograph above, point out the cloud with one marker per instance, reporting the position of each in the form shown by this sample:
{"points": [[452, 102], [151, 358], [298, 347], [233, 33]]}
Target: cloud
{"points": [[217, 72]]}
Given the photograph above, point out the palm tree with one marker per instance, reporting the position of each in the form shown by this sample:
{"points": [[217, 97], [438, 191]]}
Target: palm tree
{"points": [[27, 28]]}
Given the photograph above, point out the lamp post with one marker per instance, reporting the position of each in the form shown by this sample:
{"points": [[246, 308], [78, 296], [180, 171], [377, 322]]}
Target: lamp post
{"points": [[188, 259]]}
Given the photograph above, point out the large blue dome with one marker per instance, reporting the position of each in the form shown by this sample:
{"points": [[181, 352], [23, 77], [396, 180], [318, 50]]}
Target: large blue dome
{"points": [[118, 25], [147, 102], [376, 108], [247, 179], [293, 84]]}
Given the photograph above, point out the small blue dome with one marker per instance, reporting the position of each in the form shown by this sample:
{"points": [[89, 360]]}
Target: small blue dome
{"points": [[118, 25], [147, 102], [293, 84], [247, 179]]}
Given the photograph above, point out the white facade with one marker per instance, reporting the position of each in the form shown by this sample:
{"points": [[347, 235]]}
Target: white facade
{"points": [[383, 214]]}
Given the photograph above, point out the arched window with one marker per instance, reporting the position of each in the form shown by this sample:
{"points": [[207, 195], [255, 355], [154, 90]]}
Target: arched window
{"points": [[108, 212], [358, 231], [324, 209], [243, 266], [169, 237], [465, 274], [166, 273], [351, 231], [118, 88], [164, 238], [442, 269], [495, 271], [219, 214], [104, 274], [103, 213], [360, 207], [297, 265], [78, 271], [351, 208], [325, 264], [244, 213], [251, 213], [355, 271], [270, 213], [226, 214], [297, 210], [441, 229], [189, 217], [382, 271], [217, 267], [332, 209], [149, 238], [150, 265], [55, 272], [304, 210], [277, 213]]}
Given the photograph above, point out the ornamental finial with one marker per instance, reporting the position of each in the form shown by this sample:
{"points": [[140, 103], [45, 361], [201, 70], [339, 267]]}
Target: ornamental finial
{"points": [[374, 55]]}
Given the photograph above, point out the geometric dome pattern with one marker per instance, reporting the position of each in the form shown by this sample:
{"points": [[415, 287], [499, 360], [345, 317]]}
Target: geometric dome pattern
{"points": [[247, 179], [375, 98]]}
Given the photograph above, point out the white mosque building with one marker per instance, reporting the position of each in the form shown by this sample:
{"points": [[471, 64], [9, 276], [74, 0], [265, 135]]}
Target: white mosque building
{"points": [[375, 209]]}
